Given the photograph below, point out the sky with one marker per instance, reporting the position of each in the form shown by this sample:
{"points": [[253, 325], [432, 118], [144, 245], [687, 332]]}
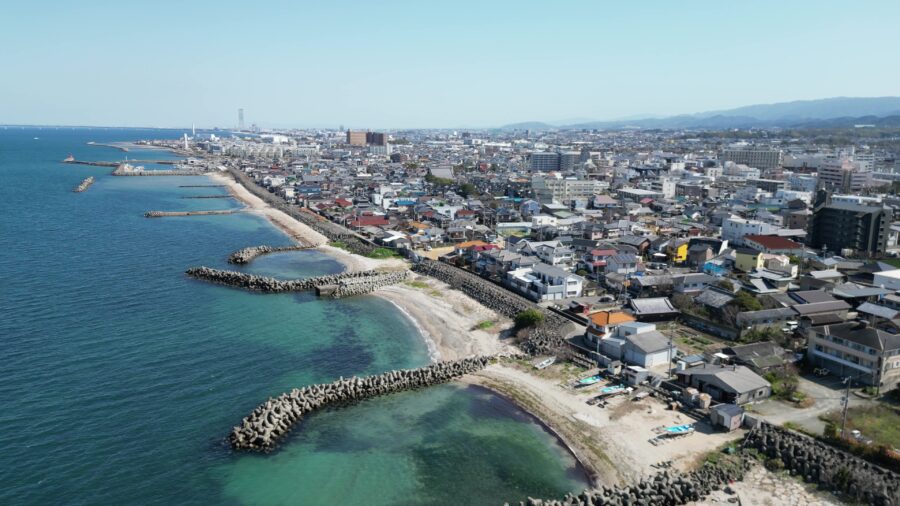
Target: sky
{"points": [[430, 64]]}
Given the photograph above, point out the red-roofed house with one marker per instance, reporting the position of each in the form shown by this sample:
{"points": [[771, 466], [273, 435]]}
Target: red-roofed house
{"points": [[773, 244], [368, 221], [344, 203]]}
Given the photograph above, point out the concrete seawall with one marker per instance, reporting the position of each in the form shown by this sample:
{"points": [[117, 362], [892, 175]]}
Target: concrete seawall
{"points": [[84, 185], [273, 419], [124, 170], [545, 339], [334, 232], [246, 255], [345, 284]]}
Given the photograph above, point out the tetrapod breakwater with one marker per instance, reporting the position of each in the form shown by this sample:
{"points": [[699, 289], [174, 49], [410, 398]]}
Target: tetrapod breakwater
{"points": [[273, 419], [335, 286], [84, 185], [246, 255], [161, 214]]}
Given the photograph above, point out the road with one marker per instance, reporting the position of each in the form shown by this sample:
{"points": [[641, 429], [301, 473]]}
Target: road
{"points": [[827, 393]]}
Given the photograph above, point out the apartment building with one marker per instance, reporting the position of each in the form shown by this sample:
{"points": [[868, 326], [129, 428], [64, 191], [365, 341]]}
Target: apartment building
{"points": [[758, 158], [853, 349]]}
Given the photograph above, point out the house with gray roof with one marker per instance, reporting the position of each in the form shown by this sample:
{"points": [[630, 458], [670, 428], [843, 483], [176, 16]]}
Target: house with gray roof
{"points": [[733, 384]]}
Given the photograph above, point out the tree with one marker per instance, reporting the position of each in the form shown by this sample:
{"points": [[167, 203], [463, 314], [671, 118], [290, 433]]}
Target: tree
{"points": [[747, 302], [529, 318], [467, 189], [726, 284]]}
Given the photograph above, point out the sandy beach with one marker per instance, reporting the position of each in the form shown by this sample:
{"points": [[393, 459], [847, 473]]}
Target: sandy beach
{"points": [[447, 319], [612, 443]]}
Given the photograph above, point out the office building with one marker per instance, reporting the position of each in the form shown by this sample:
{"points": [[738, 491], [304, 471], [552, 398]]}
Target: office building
{"points": [[843, 175], [376, 138]]}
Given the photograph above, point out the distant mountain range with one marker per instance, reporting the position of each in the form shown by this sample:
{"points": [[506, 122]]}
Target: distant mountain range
{"points": [[822, 113]]}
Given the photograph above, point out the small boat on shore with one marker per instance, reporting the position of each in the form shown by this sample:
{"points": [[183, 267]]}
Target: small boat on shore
{"points": [[590, 380], [543, 364], [678, 430]]}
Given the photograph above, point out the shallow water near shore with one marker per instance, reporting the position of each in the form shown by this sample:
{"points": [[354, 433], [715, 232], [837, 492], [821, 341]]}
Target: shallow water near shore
{"points": [[122, 377]]}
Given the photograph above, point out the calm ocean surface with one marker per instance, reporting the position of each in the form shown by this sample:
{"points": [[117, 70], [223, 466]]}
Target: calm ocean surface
{"points": [[120, 377]]}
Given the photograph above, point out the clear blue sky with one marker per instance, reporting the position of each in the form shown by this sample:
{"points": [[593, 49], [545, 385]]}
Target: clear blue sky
{"points": [[431, 64]]}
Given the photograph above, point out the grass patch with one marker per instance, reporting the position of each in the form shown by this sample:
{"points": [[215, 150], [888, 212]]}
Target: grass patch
{"points": [[417, 284], [339, 244], [484, 325], [382, 253], [880, 423], [891, 261]]}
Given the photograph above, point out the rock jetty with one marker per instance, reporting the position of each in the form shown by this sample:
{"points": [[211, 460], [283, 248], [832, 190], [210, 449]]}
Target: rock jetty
{"points": [[812, 460], [273, 419], [828, 467], [547, 338], [246, 255], [667, 488], [343, 285], [84, 185]]}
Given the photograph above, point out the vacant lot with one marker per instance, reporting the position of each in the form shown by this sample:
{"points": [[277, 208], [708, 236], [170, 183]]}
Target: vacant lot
{"points": [[880, 423]]}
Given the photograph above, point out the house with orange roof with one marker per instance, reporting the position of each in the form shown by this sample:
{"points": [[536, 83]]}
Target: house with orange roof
{"points": [[604, 323]]}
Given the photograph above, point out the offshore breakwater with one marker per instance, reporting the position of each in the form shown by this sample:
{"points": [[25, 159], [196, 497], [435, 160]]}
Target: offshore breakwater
{"points": [[162, 214], [273, 419], [546, 338], [246, 255], [345, 284], [84, 185]]}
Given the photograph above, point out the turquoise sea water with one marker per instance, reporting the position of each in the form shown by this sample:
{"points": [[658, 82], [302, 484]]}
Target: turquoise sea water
{"points": [[121, 377]]}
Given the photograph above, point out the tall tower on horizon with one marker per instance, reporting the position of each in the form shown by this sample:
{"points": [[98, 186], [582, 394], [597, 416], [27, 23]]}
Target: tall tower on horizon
{"points": [[240, 119]]}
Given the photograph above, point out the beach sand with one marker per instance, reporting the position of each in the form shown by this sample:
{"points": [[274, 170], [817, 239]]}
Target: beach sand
{"points": [[447, 318], [612, 443]]}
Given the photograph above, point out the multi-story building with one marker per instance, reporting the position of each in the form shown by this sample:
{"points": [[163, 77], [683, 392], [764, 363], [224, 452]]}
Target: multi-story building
{"points": [[548, 189], [839, 226], [734, 229], [844, 175], [376, 138], [568, 160], [544, 162], [852, 349], [356, 138], [760, 158]]}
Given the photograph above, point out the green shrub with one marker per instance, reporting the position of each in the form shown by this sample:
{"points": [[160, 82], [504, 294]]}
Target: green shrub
{"points": [[529, 318], [382, 253]]}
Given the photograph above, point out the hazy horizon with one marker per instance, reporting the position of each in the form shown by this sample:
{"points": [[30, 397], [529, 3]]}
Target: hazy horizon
{"points": [[411, 65]]}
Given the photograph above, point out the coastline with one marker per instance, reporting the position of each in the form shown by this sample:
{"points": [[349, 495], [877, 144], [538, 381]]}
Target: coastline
{"points": [[446, 319]]}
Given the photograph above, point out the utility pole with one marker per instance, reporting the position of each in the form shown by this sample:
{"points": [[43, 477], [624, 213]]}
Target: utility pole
{"points": [[845, 400]]}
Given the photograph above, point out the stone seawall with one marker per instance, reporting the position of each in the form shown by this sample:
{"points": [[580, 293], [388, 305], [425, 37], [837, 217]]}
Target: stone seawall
{"points": [[246, 255], [346, 283], [334, 232], [546, 338], [814, 461], [272, 420], [668, 488], [826, 466]]}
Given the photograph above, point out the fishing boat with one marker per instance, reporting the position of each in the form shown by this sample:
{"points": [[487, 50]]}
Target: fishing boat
{"points": [[590, 380], [612, 389], [678, 430], [543, 364]]}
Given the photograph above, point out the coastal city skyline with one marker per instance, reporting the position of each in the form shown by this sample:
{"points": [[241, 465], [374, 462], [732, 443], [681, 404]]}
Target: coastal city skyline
{"points": [[411, 253], [423, 65]]}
